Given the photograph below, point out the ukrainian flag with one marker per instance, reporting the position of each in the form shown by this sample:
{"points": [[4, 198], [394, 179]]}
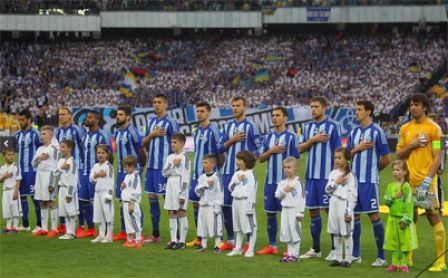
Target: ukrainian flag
{"points": [[262, 75]]}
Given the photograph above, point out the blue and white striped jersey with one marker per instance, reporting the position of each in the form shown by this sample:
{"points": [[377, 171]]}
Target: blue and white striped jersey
{"points": [[275, 161], [90, 141], [27, 143], [366, 163], [321, 155], [129, 142], [160, 147], [74, 133], [206, 142], [252, 143]]}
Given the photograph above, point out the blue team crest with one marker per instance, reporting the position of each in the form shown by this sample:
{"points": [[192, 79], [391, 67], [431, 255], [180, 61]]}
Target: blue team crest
{"points": [[346, 117]]}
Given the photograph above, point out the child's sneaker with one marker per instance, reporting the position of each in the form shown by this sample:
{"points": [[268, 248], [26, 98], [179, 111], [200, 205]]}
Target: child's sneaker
{"points": [[171, 245], [13, 231], [234, 253], [40, 232], [245, 248], [128, 244], [331, 256], [346, 264], [249, 254], [180, 245], [217, 250], [65, 236], [97, 239], [404, 268], [284, 259], [292, 259], [334, 263], [392, 268], [107, 240], [200, 249], [137, 244], [53, 233]]}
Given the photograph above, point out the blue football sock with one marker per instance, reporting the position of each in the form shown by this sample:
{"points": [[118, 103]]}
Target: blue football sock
{"points": [[81, 214], [155, 216], [378, 231], [25, 211], [356, 239], [142, 222], [195, 214], [316, 229], [228, 221], [88, 214], [122, 227], [37, 212], [272, 229]]}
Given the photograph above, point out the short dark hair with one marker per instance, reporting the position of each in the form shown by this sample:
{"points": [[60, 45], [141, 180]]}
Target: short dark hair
{"points": [[248, 158], [162, 96], [126, 109], [211, 157], [69, 143], [8, 150], [26, 113], [322, 100], [240, 98], [368, 105], [282, 109], [204, 104], [94, 112], [130, 160], [423, 99], [179, 137]]}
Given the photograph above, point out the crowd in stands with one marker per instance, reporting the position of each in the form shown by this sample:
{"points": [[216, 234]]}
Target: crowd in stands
{"points": [[94, 6], [283, 70]]}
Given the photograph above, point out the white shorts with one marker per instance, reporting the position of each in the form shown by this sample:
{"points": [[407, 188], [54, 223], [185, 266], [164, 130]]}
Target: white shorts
{"points": [[172, 196], [10, 208], [336, 222], [67, 209], [242, 222], [209, 222], [291, 229], [43, 181], [102, 211], [132, 222]]}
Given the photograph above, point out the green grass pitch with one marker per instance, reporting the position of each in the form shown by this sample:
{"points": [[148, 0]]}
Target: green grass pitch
{"points": [[24, 256]]}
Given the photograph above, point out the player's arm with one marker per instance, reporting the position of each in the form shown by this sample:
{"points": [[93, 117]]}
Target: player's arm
{"points": [[352, 193], [301, 199], [437, 159], [384, 161], [404, 150]]}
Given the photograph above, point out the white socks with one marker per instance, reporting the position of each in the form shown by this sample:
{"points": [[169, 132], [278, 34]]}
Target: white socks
{"points": [[183, 222], [173, 228]]}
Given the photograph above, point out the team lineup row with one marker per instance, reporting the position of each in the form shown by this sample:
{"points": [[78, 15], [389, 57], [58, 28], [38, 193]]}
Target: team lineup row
{"points": [[419, 146]]}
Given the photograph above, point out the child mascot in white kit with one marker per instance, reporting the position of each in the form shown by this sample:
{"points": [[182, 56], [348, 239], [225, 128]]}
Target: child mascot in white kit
{"points": [[342, 187], [243, 187], [291, 193]]}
